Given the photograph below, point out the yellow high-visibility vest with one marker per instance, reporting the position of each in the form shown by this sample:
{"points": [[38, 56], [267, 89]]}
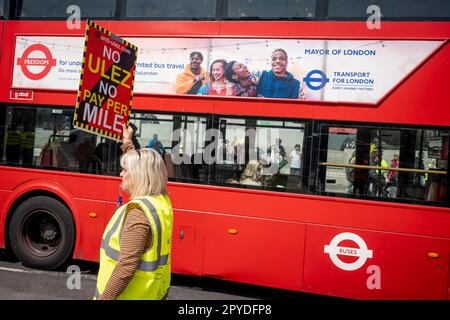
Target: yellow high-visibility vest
{"points": [[151, 280], [13, 138], [28, 139], [383, 164], [430, 167]]}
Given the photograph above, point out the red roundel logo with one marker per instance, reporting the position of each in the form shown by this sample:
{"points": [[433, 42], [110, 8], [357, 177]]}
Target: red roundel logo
{"points": [[42, 64]]}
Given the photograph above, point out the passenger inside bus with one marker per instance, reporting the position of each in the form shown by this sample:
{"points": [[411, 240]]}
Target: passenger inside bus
{"points": [[277, 153], [27, 144], [13, 141], [377, 178], [157, 145], [392, 177], [295, 158], [252, 174], [56, 152], [84, 154], [436, 183], [360, 176]]}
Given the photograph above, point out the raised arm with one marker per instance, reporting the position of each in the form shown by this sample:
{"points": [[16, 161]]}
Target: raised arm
{"points": [[127, 139]]}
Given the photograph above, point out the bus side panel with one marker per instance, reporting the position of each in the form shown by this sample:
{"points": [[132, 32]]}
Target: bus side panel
{"points": [[392, 266], [3, 196], [82, 194], [448, 281], [187, 242], [257, 251], [90, 229]]}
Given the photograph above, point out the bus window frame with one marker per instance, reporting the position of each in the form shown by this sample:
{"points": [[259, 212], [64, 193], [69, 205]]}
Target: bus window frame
{"points": [[311, 153], [122, 15], [319, 133], [305, 171], [168, 149], [4, 10], [220, 14], [13, 14], [322, 14], [326, 17], [319, 8]]}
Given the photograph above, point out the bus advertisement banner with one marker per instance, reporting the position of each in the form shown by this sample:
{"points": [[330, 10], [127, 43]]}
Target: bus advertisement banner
{"points": [[106, 83], [361, 71]]}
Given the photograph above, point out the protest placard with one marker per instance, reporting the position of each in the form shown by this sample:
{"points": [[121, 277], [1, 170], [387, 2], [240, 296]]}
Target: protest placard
{"points": [[106, 83]]}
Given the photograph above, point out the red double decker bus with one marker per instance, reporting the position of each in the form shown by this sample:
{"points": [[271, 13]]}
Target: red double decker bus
{"points": [[306, 141]]}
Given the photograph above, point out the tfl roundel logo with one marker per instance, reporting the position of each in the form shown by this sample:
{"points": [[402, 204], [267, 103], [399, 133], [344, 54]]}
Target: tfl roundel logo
{"points": [[316, 79], [36, 62], [334, 251]]}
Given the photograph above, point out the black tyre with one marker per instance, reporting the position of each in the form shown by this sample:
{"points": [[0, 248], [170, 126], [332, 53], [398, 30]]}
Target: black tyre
{"points": [[42, 233]]}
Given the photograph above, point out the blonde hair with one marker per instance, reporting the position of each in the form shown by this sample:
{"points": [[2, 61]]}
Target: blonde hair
{"points": [[147, 172], [251, 171]]}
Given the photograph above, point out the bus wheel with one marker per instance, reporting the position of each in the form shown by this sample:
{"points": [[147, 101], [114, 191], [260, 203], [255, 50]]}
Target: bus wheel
{"points": [[42, 233]]}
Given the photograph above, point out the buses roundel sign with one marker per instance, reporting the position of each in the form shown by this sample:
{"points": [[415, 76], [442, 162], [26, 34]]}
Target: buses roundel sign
{"points": [[334, 250], [26, 61]]}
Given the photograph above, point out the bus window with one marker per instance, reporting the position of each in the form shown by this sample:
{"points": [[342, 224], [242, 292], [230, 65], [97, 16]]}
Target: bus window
{"points": [[384, 152], [425, 154], [179, 139], [192, 9], [44, 138], [390, 10], [58, 145], [104, 155], [2, 133], [58, 9], [267, 9], [230, 154], [341, 149], [280, 148], [260, 153], [2, 9], [19, 131], [385, 163]]}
